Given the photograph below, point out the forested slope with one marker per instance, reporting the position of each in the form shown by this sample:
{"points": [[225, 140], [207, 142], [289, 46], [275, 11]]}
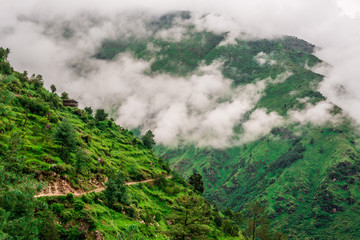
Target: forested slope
{"points": [[306, 173], [55, 160]]}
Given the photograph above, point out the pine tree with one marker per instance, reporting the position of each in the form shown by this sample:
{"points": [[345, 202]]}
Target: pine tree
{"points": [[66, 134], [148, 139]]}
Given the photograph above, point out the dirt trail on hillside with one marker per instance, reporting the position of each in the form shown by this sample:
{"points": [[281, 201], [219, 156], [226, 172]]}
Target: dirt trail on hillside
{"points": [[62, 187]]}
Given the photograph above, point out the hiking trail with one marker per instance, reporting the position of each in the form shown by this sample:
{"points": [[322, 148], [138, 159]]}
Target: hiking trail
{"points": [[62, 187]]}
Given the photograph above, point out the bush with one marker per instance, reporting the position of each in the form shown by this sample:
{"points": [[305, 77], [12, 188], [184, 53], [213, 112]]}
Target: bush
{"points": [[160, 181], [78, 205], [73, 234], [157, 216], [229, 228], [117, 207], [67, 215], [48, 228], [70, 197], [218, 220], [130, 211], [57, 207], [89, 220], [38, 107], [87, 198], [172, 190]]}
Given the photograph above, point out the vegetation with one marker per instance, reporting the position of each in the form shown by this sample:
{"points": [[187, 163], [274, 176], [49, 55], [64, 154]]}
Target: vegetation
{"points": [[100, 115], [149, 139], [192, 221], [66, 135], [304, 175], [80, 167], [53, 88], [300, 180], [196, 181]]}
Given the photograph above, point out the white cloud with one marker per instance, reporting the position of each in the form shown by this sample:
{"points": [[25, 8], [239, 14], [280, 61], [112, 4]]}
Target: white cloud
{"points": [[202, 108], [317, 114], [260, 124]]}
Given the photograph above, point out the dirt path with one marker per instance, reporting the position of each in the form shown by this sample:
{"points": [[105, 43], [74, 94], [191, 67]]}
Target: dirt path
{"points": [[62, 188]]}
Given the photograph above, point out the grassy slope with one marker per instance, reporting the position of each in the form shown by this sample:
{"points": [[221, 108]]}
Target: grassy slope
{"points": [[29, 155], [303, 197]]}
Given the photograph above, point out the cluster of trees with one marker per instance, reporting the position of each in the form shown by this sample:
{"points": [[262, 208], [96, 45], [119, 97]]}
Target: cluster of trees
{"points": [[289, 157], [5, 67]]}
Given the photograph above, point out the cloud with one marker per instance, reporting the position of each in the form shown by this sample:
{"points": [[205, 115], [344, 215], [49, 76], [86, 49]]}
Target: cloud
{"points": [[262, 58], [260, 124], [201, 109], [317, 114], [58, 40]]}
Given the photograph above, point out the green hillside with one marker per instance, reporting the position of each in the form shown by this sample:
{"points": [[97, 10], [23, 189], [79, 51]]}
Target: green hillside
{"points": [[67, 174], [307, 175]]}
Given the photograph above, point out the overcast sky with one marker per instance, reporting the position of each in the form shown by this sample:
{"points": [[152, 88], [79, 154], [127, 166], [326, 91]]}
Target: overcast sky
{"points": [[332, 25]]}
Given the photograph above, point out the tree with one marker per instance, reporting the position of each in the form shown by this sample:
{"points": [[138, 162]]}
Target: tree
{"points": [[5, 97], [82, 160], [37, 81], [229, 228], [192, 219], [196, 181], [4, 64], [148, 139], [88, 110], [66, 134], [100, 115], [116, 190], [48, 228], [17, 208], [64, 95], [4, 53], [53, 88], [258, 223]]}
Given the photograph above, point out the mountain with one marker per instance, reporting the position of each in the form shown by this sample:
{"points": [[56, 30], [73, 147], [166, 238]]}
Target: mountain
{"points": [[293, 150], [67, 174]]}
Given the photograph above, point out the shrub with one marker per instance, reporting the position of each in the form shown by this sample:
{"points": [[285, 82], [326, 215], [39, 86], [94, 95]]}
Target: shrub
{"points": [[130, 211], [70, 197], [218, 220], [230, 228], [78, 205], [38, 107], [48, 228], [157, 216], [87, 198], [117, 207], [160, 181], [57, 207]]}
